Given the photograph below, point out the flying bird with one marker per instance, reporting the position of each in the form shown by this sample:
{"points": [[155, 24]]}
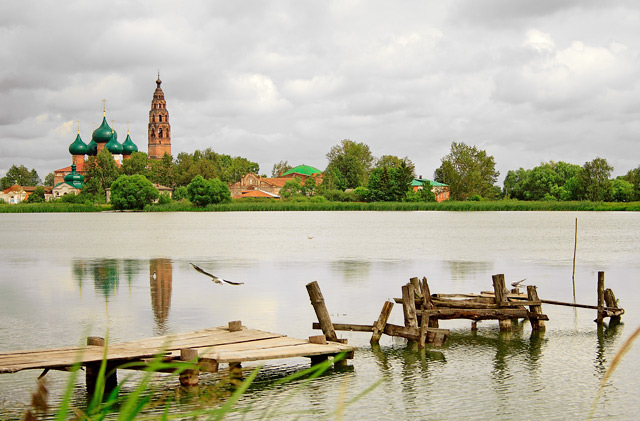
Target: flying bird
{"points": [[214, 278], [517, 284]]}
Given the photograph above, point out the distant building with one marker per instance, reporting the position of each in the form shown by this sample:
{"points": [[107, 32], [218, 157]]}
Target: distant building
{"points": [[253, 185], [18, 194], [440, 190], [159, 127]]}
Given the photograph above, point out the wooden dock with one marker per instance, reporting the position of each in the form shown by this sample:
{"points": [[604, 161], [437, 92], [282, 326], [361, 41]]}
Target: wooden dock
{"points": [[210, 347]]}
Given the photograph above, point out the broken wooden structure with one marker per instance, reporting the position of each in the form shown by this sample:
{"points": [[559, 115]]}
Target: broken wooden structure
{"points": [[506, 306], [205, 349], [416, 328]]}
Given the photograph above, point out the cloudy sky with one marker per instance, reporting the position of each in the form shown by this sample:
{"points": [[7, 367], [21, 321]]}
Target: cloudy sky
{"points": [[528, 81]]}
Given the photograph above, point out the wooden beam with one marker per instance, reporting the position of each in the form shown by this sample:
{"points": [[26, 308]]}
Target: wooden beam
{"points": [[378, 326], [409, 306], [600, 317]]}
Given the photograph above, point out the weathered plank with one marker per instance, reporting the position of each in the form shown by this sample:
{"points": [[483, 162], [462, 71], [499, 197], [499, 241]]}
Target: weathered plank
{"points": [[317, 301]]}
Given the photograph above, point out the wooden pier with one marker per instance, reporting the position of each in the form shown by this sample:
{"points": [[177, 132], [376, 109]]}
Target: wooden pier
{"points": [[207, 348]]}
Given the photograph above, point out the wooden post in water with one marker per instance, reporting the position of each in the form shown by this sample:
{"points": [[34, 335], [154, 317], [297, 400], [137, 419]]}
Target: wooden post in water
{"points": [[499, 290], [378, 326], [317, 301], [409, 306], [610, 301], [600, 317], [189, 377], [427, 304], [532, 294], [573, 274], [93, 369], [416, 287]]}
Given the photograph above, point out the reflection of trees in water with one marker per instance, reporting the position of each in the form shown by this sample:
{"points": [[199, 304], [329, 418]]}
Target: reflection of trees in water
{"points": [[105, 273], [351, 269], [160, 287], [463, 270]]}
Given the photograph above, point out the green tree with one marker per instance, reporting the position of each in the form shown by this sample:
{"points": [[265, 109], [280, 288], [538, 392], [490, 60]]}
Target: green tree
{"points": [[621, 190], [162, 172], [203, 192], [595, 180], [132, 192], [292, 188], [350, 164], [37, 196], [468, 171], [19, 175], [279, 168], [100, 171], [633, 177], [210, 165], [49, 179], [137, 164]]}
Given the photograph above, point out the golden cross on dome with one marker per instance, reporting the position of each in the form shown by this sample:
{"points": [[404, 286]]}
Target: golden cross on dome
{"points": [[104, 108], [128, 122], [78, 126]]}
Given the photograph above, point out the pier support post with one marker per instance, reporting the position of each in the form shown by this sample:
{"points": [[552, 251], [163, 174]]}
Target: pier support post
{"points": [[93, 370], [317, 301], [610, 301], [427, 304], [532, 295], [499, 290], [409, 306], [189, 377], [600, 317]]}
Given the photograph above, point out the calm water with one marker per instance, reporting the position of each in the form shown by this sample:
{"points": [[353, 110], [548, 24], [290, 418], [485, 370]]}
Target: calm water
{"points": [[66, 276]]}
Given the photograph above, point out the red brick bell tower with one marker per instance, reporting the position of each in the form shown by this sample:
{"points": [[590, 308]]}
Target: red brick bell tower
{"points": [[159, 128]]}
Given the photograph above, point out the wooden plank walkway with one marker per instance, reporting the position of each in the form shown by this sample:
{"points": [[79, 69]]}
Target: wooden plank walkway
{"points": [[213, 345]]}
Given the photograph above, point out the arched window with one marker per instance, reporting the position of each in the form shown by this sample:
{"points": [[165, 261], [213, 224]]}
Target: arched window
{"points": [[160, 133]]}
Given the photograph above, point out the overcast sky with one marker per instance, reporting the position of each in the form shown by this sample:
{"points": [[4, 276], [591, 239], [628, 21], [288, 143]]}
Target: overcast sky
{"points": [[527, 81]]}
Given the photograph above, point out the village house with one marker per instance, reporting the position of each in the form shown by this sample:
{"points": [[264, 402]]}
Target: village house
{"points": [[440, 190], [253, 185]]}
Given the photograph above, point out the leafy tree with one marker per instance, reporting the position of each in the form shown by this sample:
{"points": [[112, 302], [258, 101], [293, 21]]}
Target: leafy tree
{"points": [[100, 171], [292, 188], [209, 165], [279, 168], [203, 192], [19, 175], [49, 179], [180, 193], [137, 164], [633, 177], [621, 190], [132, 192], [468, 171], [162, 172], [349, 164], [37, 196], [425, 194], [595, 179]]}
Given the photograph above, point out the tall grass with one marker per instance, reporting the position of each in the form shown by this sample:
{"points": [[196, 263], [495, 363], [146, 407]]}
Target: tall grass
{"points": [[139, 403], [52, 207]]}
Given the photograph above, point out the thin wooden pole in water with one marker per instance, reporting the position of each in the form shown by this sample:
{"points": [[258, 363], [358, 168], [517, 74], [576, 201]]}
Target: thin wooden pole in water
{"points": [[575, 247]]}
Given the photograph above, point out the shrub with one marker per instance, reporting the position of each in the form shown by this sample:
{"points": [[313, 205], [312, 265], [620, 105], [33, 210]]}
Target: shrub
{"points": [[164, 198], [203, 192], [132, 192]]}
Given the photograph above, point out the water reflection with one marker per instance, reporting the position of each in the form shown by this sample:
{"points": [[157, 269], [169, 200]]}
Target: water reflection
{"points": [[607, 335], [160, 281], [106, 275], [463, 270], [351, 270]]}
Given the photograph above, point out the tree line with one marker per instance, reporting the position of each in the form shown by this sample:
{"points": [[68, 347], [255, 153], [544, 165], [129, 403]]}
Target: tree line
{"points": [[353, 173]]}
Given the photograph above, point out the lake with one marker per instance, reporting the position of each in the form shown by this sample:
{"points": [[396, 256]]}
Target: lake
{"points": [[68, 276]]}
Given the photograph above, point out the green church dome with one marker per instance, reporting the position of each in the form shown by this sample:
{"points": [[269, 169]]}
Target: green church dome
{"points": [[73, 178], [113, 145], [78, 147], [103, 133], [92, 148], [128, 147]]}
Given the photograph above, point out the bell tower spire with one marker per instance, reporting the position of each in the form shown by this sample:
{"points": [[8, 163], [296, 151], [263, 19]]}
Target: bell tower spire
{"points": [[159, 127]]}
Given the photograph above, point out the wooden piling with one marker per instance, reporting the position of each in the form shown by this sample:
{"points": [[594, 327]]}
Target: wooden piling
{"points": [[189, 377], [317, 301], [532, 296], [499, 291], [417, 290], [92, 370], [409, 306], [611, 302], [601, 312], [235, 326], [427, 303], [378, 326]]}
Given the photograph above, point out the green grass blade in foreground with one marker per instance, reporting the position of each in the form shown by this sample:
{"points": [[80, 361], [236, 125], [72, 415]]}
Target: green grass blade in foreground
{"points": [[219, 414]]}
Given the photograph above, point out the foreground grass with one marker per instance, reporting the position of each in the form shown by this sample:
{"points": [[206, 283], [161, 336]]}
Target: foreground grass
{"points": [[273, 205], [142, 401]]}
